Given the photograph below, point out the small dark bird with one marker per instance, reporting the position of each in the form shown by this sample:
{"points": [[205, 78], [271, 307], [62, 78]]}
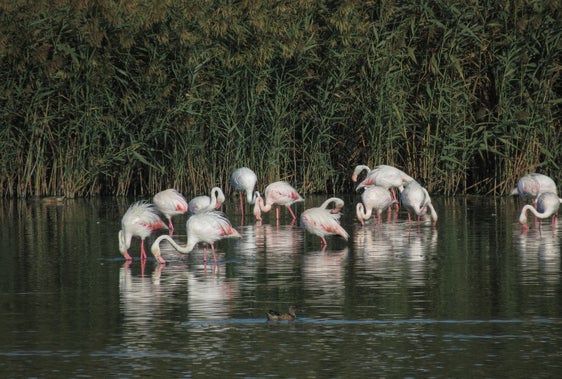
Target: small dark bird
{"points": [[276, 316]]}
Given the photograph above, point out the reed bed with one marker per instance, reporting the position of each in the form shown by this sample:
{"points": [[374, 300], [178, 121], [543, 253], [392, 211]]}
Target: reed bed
{"points": [[128, 98]]}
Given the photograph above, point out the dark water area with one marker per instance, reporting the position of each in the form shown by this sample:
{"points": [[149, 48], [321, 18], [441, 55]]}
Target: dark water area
{"points": [[473, 296]]}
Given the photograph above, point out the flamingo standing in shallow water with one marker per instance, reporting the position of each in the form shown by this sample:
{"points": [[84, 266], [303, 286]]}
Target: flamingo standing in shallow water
{"points": [[200, 204], [548, 204], [280, 193], [416, 200], [385, 176], [373, 198], [244, 179], [206, 227], [140, 220], [170, 203], [323, 221]]}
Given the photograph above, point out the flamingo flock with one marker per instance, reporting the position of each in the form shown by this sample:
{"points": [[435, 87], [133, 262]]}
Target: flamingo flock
{"points": [[384, 187]]}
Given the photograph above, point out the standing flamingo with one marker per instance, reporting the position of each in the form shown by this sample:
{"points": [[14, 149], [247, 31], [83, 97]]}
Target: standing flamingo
{"points": [[416, 200], [140, 220], [244, 179], [323, 221], [206, 227], [280, 193], [373, 198], [388, 177], [170, 203], [200, 204], [531, 185], [547, 206]]}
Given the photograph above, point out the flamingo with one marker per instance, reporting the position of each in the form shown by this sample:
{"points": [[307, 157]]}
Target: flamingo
{"points": [[244, 179], [416, 199], [170, 203], [140, 220], [388, 177], [280, 193], [375, 197], [200, 204], [206, 227], [547, 206], [531, 185], [323, 221]]}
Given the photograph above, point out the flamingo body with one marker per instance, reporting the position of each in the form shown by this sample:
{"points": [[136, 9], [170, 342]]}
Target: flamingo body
{"points": [[373, 198], [530, 186], [170, 203], [200, 204], [416, 200], [548, 204], [322, 221], [206, 227], [140, 220], [385, 176], [244, 179], [280, 193]]}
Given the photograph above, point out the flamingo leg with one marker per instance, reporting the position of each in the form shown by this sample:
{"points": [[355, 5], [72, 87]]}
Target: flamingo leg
{"points": [[292, 213], [143, 252], [241, 204], [214, 253], [171, 227], [323, 242], [205, 254], [277, 213], [127, 256]]}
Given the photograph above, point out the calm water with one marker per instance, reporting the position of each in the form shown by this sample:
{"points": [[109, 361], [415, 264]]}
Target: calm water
{"points": [[472, 296]]}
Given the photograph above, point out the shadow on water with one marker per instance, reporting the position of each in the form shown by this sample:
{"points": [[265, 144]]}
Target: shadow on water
{"points": [[396, 299]]}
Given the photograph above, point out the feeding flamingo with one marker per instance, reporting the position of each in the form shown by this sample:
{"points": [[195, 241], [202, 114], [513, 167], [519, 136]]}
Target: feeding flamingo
{"points": [[170, 203], [373, 198], [416, 200], [323, 221], [140, 220], [200, 204], [531, 185], [280, 193], [547, 206], [385, 176], [244, 179], [206, 227]]}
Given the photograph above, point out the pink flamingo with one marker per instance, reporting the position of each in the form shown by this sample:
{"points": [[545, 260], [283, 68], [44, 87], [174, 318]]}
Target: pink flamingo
{"points": [[200, 204], [385, 176], [323, 221], [548, 204], [170, 203], [280, 193], [140, 220], [244, 179], [206, 227], [531, 185], [373, 198], [416, 200]]}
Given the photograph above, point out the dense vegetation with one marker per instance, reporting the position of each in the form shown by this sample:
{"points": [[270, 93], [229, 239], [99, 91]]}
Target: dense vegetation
{"points": [[130, 97]]}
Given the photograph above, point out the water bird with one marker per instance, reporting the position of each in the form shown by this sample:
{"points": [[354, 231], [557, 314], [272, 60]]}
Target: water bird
{"points": [[276, 316], [547, 205], [170, 203], [374, 198], [531, 185], [415, 199], [139, 220], [52, 200], [204, 203], [280, 193], [385, 176], [243, 179], [206, 227], [322, 221]]}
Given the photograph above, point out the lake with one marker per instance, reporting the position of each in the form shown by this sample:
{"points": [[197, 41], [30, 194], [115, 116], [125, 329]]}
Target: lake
{"points": [[473, 296]]}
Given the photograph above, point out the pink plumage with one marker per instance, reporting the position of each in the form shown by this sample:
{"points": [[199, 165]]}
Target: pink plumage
{"points": [[322, 221], [280, 193], [139, 221], [170, 203]]}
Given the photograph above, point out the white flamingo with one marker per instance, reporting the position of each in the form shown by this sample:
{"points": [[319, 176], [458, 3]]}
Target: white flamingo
{"points": [[242, 180], [374, 198], [139, 221], [385, 176], [204, 203], [322, 221], [416, 200], [170, 203], [280, 193], [531, 185], [547, 205], [206, 227]]}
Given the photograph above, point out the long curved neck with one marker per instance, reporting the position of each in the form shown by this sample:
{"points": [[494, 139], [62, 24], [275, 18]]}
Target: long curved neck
{"points": [[184, 250], [358, 170], [251, 197], [362, 213], [338, 204]]}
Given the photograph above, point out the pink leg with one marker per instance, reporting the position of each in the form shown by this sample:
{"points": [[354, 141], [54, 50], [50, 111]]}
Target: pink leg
{"points": [[242, 204], [171, 227], [143, 252], [292, 213], [127, 256], [323, 242], [277, 212], [214, 254]]}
